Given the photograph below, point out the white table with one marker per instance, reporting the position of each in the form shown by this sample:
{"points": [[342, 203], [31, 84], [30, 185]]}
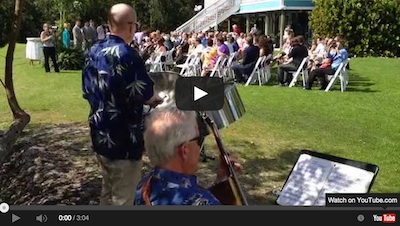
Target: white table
{"points": [[34, 49]]}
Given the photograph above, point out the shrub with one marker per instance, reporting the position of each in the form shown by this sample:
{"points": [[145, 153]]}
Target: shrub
{"points": [[71, 59], [370, 27]]}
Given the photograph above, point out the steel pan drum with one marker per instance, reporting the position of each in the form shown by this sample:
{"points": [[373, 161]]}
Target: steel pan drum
{"points": [[233, 109], [164, 86]]}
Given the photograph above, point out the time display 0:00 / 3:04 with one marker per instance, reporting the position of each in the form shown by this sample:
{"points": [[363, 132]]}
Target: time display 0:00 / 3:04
{"points": [[73, 217]]}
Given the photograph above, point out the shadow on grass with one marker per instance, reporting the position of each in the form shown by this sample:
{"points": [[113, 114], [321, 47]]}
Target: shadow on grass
{"points": [[357, 83], [51, 164], [263, 175]]}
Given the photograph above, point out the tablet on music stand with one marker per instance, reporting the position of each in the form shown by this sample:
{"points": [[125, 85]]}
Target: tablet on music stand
{"points": [[316, 174]]}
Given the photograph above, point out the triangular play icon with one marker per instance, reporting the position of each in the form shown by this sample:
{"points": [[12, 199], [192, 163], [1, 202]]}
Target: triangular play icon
{"points": [[15, 218], [199, 93]]}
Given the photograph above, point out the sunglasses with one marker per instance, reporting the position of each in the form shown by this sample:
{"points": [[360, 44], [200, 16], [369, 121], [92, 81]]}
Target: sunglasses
{"points": [[135, 23], [198, 139]]}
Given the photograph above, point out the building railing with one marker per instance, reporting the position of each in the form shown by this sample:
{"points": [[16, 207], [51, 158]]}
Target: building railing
{"points": [[210, 16]]}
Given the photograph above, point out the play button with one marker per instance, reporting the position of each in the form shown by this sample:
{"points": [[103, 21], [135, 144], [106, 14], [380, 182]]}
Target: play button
{"points": [[199, 93], [14, 218]]}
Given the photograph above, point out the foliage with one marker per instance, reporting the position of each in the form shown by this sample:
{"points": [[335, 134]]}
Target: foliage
{"points": [[179, 11], [71, 59], [5, 21], [153, 14], [370, 27]]}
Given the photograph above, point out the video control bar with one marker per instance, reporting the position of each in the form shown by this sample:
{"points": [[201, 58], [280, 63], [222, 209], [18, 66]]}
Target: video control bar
{"points": [[176, 216]]}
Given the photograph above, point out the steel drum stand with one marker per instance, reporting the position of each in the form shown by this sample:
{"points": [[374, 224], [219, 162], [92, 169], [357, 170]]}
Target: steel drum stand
{"points": [[204, 155]]}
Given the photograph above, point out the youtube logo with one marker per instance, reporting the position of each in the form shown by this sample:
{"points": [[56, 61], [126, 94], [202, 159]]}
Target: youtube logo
{"points": [[387, 218], [199, 93]]}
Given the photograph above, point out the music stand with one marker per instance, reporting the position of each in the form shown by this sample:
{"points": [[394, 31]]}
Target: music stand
{"points": [[316, 174]]}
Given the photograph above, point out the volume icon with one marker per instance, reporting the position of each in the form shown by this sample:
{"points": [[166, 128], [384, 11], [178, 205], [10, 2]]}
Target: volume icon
{"points": [[42, 218]]}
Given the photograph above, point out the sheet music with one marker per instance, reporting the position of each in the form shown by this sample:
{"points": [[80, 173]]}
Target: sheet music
{"points": [[345, 179], [313, 177], [305, 181]]}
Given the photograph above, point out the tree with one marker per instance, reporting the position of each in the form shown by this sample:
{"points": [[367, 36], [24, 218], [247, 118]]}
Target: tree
{"points": [[21, 118], [5, 22], [371, 27], [168, 15]]}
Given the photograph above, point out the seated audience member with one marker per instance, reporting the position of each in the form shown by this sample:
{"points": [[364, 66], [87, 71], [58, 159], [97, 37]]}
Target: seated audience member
{"points": [[288, 33], [265, 48], [250, 57], [270, 43], [318, 54], [168, 43], [223, 50], [229, 44], [336, 56], [298, 53], [172, 142], [313, 46], [192, 46], [198, 46], [159, 47], [285, 50], [234, 44], [209, 57], [182, 49], [242, 42]]}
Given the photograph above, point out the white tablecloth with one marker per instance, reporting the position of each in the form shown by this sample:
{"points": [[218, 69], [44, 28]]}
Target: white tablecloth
{"points": [[34, 49]]}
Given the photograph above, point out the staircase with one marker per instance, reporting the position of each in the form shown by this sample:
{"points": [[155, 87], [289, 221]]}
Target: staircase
{"points": [[210, 16]]}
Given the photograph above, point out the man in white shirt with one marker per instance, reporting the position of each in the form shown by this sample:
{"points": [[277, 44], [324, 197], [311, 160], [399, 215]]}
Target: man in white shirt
{"points": [[101, 33], [78, 36], [230, 46], [199, 47]]}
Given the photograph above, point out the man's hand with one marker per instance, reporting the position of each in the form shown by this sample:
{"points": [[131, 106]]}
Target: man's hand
{"points": [[154, 101], [222, 171]]}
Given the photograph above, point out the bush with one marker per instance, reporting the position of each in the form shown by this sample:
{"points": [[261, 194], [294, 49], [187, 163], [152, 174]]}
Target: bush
{"points": [[71, 59], [370, 27]]}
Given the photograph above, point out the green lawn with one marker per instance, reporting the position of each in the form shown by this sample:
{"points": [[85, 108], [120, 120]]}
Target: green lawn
{"points": [[361, 124]]}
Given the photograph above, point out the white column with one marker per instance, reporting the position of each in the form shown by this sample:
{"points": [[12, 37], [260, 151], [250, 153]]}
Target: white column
{"points": [[282, 27], [266, 23], [247, 23]]}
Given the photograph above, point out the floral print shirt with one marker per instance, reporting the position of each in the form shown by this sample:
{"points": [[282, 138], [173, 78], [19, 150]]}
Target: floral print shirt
{"points": [[116, 85]]}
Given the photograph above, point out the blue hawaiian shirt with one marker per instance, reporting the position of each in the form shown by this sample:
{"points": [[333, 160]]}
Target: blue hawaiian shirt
{"points": [[116, 85], [171, 188]]}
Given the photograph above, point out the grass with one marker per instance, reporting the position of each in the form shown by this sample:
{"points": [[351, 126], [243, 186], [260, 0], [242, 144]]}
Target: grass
{"points": [[360, 124]]}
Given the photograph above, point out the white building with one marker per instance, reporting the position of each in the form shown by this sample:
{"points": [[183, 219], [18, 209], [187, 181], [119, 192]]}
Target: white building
{"points": [[270, 16]]}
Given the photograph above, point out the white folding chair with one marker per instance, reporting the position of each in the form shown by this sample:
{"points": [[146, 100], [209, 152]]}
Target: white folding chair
{"points": [[266, 69], [169, 60], [219, 66], [257, 71], [232, 60], [158, 65], [340, 73], [186, 66], [195, 68], [301, 71]]}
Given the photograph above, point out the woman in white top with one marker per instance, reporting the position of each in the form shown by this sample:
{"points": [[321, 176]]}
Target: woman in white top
{"points": [[49, 50]]}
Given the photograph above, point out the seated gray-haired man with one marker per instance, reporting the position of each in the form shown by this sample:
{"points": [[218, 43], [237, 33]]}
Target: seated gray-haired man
{"points": [[172, 142]]}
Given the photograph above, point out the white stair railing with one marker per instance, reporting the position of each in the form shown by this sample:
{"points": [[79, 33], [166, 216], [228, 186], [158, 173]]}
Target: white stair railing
{"points": [[210, 16]]}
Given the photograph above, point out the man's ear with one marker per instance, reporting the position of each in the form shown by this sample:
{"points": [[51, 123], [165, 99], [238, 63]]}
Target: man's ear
{"points": [[184, 152]]}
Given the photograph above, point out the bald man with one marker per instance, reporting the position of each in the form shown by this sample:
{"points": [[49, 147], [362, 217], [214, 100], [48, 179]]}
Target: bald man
{"points": [[116, 85]]}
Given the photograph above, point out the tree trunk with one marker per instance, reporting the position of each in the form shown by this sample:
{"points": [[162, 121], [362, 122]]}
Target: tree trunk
{"points": [[21, 118]]}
